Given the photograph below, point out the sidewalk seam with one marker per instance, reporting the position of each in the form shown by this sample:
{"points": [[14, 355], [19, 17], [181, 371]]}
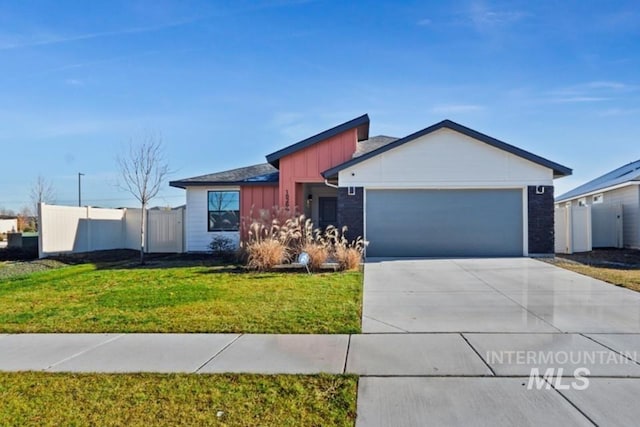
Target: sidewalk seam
{"points": [[478, 354], [570, 402], [621, 353], [346, 356], [218, 353], [73, 356]]}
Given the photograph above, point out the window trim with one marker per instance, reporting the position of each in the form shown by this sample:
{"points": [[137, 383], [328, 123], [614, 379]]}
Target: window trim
{"points": [[597, 198], [582, 201], [235, 211]]}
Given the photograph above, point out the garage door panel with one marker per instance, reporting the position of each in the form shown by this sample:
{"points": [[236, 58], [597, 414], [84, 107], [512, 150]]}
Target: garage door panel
{"points": [[444, 222]]}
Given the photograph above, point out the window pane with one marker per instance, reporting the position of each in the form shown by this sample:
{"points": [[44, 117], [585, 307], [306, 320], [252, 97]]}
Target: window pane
{"points": [[224, 220], [224, 200]]}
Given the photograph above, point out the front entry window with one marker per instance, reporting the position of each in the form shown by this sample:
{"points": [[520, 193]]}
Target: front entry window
{"points": [[224, 210]]}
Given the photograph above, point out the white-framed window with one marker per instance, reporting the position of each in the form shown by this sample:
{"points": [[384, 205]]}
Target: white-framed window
{"points": [[224, 210], [598, 198], [582, 201]]}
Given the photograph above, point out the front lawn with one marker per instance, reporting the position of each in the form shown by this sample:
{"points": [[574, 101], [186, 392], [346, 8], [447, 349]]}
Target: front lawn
{"points": [[628, 278], [179, 298], [619, 267], [34, 398]]}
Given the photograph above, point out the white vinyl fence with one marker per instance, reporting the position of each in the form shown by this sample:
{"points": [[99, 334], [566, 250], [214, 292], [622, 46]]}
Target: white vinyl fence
{"points": [[573, 229], [68, 229]]}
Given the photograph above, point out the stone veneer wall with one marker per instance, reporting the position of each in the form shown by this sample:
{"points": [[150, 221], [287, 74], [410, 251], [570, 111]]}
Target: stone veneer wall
{"points": [[541, 220], [351, 211]]}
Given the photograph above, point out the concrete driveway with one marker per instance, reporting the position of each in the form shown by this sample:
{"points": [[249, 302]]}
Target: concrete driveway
{"points": [[492, 295], [513, 316]]}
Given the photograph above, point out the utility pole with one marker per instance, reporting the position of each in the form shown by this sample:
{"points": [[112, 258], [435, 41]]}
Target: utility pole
{"points": [[80, 189]]}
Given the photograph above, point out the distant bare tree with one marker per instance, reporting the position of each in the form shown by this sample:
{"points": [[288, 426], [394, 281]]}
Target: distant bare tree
{"points": [[7, 212], [142, 171], [42, 191]]}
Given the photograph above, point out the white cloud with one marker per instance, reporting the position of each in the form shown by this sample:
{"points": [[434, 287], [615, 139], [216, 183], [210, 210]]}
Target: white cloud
{"points": [[484, 17], [18, 42], [570, 99]]}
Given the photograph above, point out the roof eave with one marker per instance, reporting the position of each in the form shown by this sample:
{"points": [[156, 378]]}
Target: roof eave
{"points": [[185, 184], [563, 198], [361, 123], [559, 170]]}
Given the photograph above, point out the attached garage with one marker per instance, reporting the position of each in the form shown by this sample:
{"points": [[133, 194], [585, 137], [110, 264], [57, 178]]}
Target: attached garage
{"points": [[444, 223], [448, 191]]}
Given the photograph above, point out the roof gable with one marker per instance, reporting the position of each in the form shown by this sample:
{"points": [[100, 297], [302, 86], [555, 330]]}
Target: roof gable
{"points": [[558, 170], [621, 175], [361, 123]]}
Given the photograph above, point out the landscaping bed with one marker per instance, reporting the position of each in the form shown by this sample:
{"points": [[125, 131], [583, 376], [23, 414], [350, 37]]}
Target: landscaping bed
{"points": [[178, 294], [34, 398]]}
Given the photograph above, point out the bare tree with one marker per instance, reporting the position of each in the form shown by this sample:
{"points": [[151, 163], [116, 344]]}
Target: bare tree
{"points": [[143, 170], [42, 191]]}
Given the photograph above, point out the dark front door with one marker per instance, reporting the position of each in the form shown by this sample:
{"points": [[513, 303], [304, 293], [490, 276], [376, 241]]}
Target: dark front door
{"points": [[328, 215]]}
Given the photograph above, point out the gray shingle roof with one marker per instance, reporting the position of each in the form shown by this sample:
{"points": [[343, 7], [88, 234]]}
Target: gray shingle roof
{"points": [[622, 175], [372, 143], [263, 173]]}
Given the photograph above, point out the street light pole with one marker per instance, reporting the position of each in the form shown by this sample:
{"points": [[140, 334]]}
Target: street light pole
{"points": [[80, 189]]}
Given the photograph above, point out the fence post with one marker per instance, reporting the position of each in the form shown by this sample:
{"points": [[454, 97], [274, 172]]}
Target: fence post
{"points": [[40, 241], [88, 228]]}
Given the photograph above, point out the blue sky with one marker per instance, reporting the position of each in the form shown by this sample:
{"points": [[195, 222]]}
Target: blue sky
{"points": [[227, 82]]}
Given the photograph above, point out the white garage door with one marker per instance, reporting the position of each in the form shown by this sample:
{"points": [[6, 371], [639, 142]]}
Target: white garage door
{"points": [[444, 223]]}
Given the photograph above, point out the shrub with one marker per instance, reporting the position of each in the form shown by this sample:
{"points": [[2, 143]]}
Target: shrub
{"points": [[265, 254], [223, 248], [348, 254], [348, 258], [318, 255]]}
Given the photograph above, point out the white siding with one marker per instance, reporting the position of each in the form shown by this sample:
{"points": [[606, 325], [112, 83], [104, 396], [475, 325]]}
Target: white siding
{"points": [[445, 159], [197, 235], [7, 225], [629, 198]]}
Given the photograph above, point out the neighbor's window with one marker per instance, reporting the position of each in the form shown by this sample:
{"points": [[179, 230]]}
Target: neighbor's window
{"points": [[598, 198], [582, 201], [224, 210]]}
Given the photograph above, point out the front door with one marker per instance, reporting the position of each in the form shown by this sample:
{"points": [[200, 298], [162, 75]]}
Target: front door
{"points": [[328, 211]]}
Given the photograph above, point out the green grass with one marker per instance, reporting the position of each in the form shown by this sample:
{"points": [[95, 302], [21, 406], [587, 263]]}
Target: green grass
{"points": [[33, 398], [86, 298]]}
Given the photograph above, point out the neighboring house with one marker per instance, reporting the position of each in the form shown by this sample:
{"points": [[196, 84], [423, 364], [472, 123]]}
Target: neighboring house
{"points": [[446, 190], [620, 187], [8, 224]]}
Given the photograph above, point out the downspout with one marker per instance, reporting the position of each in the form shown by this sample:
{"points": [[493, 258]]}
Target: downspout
{"points": [[328, 184]]}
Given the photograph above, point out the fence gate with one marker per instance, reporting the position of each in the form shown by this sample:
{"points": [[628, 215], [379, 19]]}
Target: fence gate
{"points": [[606, 226], [164, 231], [573, 229]]}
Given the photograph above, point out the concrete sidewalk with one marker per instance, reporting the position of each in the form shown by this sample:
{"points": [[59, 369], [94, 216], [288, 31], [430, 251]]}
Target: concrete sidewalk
{"points": [[445, 354], [406, 379]]}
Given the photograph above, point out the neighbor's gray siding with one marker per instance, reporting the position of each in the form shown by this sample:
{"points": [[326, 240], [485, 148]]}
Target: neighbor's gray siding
{"points": [[541, 219], [351, 212], [629, 198]]}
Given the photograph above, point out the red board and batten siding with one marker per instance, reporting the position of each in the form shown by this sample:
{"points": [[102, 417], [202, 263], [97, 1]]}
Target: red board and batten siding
{"points": [[253, 198], [306, 165]]}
